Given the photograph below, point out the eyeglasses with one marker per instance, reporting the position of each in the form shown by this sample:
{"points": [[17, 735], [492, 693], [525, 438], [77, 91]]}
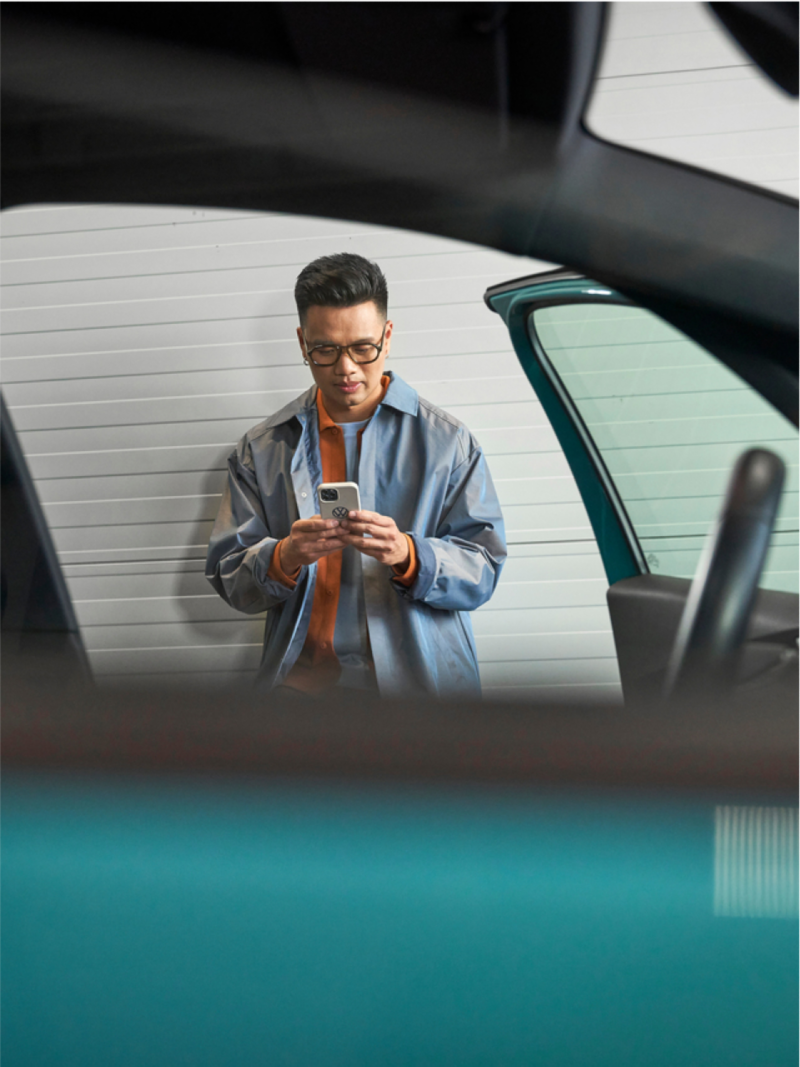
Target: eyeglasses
{"points": [[360, 352]]}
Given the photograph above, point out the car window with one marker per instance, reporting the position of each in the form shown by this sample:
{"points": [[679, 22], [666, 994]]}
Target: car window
{"points": [[669, 421], [673, 83], [140, 342]]}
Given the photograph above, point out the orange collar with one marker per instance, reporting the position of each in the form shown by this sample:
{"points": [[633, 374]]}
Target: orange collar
{"points": [[325, 421]]}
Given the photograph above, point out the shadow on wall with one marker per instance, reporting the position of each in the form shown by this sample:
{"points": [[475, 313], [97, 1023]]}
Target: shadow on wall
{"points": [[231, 639]]}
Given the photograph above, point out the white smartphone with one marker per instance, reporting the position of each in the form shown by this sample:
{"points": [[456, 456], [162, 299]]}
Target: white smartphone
{"points": [[336, 499]]}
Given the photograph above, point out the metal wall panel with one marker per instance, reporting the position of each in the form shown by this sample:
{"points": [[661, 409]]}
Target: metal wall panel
{"points": [[140, 344]]}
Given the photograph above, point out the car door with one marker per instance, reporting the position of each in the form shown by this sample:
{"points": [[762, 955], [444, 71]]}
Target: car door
{"points": [[651, 425]]}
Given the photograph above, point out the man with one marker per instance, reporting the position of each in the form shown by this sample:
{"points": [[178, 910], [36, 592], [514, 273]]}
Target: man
{"points": [[377, 601]]}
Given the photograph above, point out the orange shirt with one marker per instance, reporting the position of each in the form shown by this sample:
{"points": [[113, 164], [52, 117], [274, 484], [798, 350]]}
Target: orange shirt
{"points": [[317, 667]]}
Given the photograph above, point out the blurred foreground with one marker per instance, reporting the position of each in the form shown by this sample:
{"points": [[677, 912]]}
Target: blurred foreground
{"points": [[216, 879]]}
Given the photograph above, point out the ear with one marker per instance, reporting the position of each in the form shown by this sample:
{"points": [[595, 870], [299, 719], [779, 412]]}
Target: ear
{"points": [[387, 337]]}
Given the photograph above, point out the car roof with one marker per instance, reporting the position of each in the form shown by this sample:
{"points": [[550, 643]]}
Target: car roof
{"points": [[460, 120]]}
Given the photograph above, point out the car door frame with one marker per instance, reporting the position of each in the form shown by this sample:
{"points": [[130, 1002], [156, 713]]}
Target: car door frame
{"points": [[643, 637], [515, 302]]}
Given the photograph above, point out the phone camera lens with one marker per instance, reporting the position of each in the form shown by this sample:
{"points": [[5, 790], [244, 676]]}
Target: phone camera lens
{"points": [[329, 494]]}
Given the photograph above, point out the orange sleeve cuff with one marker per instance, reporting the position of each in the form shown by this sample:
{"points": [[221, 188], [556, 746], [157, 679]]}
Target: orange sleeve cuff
{"points": [[409, 575], [275, 571]]}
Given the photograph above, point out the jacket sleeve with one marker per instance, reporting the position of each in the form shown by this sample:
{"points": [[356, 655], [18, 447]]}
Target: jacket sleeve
{"points": [[241, 546], [460, 566]]}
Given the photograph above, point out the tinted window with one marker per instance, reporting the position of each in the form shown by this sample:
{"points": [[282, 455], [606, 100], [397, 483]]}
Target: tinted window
{"points": [[669, 422]]}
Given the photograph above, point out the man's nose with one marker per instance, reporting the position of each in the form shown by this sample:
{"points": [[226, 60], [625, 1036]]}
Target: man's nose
{"points": [[346, 364]]}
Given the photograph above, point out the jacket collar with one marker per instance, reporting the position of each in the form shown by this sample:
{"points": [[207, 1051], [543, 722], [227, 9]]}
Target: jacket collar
{"points": [[399, 395]]}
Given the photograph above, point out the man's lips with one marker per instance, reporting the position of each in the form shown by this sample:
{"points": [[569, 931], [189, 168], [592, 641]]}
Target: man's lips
{"points": [[348, 387]]}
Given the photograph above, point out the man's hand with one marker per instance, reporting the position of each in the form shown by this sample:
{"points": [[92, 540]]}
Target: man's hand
{"points": [[310, 540], [385, 542]]}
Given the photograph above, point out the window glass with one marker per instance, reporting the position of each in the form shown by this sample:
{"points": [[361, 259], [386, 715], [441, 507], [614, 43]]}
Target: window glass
{"points": [[669, 421], [140, 342], [672, 82]]}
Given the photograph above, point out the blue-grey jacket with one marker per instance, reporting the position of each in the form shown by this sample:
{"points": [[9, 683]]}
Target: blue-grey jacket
{"points": [[418, 465]]}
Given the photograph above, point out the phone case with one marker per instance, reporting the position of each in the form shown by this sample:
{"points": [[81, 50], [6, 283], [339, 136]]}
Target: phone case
{"points": [[347, 499]]}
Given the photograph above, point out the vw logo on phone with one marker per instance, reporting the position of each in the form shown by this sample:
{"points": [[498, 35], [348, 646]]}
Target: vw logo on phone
{"points": [[340, 513]]}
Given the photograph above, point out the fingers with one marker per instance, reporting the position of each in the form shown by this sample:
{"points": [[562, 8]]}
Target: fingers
{"points": [[314, 525], [371, 537], [315, 531], [310, 540], [368, 547], [369, 523], [329, 534], [367, 531], [385, 550], [376, 536], [362, 529], [372, 517], [357, 540]]}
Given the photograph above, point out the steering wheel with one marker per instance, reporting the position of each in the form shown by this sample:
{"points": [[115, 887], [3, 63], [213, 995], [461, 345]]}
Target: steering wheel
{"points": [[714, 621]]}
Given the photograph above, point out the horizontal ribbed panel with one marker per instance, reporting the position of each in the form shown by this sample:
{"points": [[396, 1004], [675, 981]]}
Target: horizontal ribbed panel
{"points": [[672, 82], [141, 344]]}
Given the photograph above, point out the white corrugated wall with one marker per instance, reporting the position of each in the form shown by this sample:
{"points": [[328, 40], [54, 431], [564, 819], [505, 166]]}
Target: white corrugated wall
{"points": [[672, 82], [140, 343]]}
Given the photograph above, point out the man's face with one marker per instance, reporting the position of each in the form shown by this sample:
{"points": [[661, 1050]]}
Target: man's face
{"points": [[350, 390]]}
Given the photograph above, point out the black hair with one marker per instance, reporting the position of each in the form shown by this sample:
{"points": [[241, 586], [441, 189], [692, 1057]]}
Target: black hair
{"points": [[342, 280]]}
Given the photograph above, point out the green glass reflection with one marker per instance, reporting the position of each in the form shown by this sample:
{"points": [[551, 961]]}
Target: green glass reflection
{"points": [[669, 421]]}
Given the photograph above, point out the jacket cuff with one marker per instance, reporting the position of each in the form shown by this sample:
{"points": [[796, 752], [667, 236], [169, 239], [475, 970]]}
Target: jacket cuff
{"points": [[407, 575], [275, 571], [426, 571]]}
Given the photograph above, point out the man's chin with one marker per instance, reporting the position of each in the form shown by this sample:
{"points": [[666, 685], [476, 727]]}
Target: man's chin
{"points": [[351, 400]]}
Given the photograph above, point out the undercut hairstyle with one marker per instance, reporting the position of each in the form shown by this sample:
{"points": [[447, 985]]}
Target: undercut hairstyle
{"points": [[342, 280]]}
